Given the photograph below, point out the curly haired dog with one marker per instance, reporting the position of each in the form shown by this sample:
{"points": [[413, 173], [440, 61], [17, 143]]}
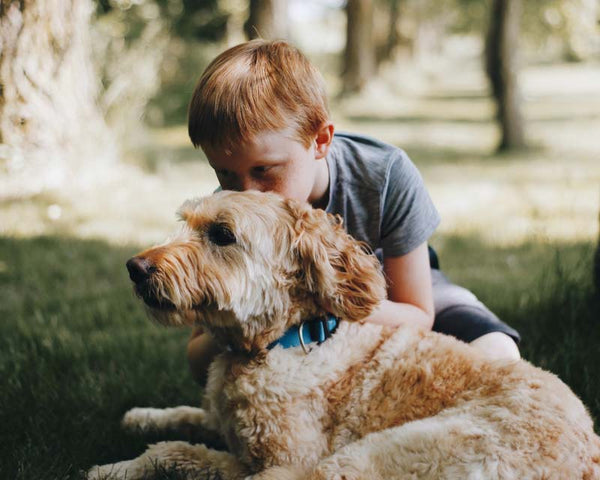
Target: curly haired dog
{"points": [[368, 402]]}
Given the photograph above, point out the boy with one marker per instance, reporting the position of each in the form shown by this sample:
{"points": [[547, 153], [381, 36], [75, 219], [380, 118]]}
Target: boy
{"points": [[259, 113]]}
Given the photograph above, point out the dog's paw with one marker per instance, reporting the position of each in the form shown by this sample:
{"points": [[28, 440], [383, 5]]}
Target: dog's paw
{"points": [[142, 419], [112, 471]]}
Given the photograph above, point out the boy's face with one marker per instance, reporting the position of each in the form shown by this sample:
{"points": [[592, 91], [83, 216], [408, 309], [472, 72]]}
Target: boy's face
{"points": [[273, 161]]}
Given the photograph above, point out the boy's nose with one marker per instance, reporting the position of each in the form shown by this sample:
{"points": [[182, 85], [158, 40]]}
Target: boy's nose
{"points": [[247, 184]]}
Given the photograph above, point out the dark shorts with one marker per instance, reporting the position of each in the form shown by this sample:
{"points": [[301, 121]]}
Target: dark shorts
{"points": [[459, 313]]}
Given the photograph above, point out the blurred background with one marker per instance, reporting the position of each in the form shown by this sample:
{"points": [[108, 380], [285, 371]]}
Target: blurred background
{"points": [[496, 101], [94, 99]]}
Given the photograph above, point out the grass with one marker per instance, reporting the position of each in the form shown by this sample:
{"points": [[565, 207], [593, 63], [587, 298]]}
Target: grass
{"points": [[77, 351], [545, 291]]}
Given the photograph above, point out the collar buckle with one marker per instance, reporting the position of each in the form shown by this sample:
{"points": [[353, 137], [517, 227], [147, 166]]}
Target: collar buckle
{"points": [[301, 337]]}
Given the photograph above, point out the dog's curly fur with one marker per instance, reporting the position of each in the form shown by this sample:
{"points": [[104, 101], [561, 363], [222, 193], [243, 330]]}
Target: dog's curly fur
{"points": [[370, 402]]}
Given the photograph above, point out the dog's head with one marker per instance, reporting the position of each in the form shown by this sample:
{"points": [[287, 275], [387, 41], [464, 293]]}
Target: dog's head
{"points": [[248, 265]]}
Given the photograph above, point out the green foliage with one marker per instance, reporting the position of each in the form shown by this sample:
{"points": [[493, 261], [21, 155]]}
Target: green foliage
{"points": [[199, 20], [188, 19], [170, 42], [470, 16], [170, 106]]}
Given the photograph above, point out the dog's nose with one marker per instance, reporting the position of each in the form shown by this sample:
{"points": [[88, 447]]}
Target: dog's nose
{"points": [[139, 269]]}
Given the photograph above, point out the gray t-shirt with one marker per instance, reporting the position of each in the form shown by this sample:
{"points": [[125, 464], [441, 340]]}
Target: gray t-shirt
{"points": [[380, 194]]}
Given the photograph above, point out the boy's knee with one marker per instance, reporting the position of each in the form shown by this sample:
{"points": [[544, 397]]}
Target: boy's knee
{"points": [[497, 346]]}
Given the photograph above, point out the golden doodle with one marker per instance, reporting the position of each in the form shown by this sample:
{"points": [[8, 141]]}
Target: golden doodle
{"points": [[368, 402]]}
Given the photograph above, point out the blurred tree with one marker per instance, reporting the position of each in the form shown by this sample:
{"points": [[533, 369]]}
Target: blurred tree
{"points": [[267, 19], [189, 19], [49, 118], [580, 19], [387, 38], [468, 16], [359, 55], [237, 13], [567, 29], [501, 57], [129, 45]]}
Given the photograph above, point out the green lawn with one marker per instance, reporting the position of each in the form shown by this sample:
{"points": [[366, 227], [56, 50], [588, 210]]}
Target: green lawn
{"points": [[77, 351]]}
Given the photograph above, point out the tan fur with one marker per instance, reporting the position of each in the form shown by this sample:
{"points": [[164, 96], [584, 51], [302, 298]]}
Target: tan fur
{"points": [[370, 402]]}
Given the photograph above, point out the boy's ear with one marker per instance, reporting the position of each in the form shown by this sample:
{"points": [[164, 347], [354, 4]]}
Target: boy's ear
{"points": [[336, 268], [323, 140]]}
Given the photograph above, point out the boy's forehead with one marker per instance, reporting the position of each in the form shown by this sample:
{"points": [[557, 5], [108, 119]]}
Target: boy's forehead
{"points": [[263, 147]]}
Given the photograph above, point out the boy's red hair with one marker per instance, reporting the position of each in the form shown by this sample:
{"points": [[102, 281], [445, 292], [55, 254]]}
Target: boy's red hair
{"points": [[254, 87]]}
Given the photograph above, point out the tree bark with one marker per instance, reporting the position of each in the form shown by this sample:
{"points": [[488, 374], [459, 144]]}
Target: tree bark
{"points": [[267, 19], [502, 46], [386, 47], [49, 119], [359, 57]]}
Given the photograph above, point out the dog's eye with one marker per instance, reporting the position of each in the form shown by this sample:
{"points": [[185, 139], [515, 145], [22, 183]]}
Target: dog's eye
{"points": [[221, 235]]}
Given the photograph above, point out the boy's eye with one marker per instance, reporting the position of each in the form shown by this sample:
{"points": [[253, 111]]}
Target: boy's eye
{"points": [[221, 235], [261, 170]]}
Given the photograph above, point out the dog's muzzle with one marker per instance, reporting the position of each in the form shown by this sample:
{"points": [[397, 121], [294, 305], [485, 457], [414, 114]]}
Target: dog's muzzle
{"points": [[141, 271]]}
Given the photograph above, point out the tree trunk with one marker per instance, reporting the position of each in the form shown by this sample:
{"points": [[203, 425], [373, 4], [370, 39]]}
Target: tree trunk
{"points": [[359, 57], [49, 119], [386, 46], [502, 46], [237, 13], [267, 19]]}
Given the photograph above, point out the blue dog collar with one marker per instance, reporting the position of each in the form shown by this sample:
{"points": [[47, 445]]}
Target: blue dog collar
{"points": [[314, 330]]}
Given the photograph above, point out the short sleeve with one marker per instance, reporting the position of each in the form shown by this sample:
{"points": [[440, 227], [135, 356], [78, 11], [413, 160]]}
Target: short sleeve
{"points": [[408, 215]]}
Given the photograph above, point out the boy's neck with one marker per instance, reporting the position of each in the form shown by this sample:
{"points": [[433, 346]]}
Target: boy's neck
{"points": [[320, 193]]}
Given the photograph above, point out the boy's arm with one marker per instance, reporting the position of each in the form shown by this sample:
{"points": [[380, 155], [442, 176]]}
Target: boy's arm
{"points": [[410, 297], [201, 350]]}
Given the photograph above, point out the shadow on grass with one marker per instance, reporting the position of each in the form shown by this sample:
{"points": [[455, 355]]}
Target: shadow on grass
{"points": [[77, 351]]}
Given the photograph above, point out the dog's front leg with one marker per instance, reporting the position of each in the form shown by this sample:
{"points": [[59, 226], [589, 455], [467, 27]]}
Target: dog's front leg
{"points": [[163, 419], [185, 422], [194, 461]]}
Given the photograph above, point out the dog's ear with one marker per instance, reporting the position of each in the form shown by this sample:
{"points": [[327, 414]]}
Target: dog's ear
{"points": [[339, 270]]}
